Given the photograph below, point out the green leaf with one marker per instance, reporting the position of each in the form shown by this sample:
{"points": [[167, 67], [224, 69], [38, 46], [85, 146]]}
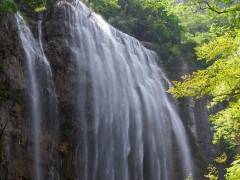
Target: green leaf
{"points": [[40, 9]]}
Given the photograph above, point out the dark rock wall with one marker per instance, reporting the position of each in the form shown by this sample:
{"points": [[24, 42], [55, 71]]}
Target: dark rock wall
{"points": [[16, 146], [59, 56], [15, 157]]}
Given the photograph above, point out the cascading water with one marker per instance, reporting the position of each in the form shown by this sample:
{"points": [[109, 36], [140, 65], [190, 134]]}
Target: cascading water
{"points": [[29, 45], [127, 128], [41, 93]]}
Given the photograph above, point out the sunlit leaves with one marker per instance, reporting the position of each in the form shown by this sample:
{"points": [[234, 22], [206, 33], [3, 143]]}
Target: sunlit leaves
{"points": [[227, 124], [40, 9], [219, 47], [233, 173], [212, 173], [220, 82], [37, 5], [222, 158]]}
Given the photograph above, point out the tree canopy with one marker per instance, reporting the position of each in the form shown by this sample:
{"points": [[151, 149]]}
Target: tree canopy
{"points": [[219, 47]]}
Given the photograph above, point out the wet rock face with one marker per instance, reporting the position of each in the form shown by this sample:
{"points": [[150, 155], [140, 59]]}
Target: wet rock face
{"points": [[13, 121], [16, 145], [58, 52]]}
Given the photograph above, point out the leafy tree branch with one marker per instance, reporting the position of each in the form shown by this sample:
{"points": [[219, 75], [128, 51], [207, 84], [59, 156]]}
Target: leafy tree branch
{"points": [[220, 11]]}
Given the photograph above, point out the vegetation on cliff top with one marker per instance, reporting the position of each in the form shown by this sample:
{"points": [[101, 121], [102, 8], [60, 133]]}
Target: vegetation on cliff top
{"points": [[33, 5]]}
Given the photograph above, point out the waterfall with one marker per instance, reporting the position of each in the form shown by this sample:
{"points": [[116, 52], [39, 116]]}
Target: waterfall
{"points": [[41, 96], [29, 45], [127, 127]]}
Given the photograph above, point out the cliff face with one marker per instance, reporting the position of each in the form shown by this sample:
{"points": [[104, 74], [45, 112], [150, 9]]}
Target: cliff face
{"points": [[64, 69], [13, 120], [16, 142]]}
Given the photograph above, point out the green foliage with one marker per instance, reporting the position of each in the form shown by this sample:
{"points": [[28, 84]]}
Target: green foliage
{"points": [[215, 27], [33, 5], [8, 6], [150, 22], [199, 20], [212, 173], [146, 20], [190, 177], [220, 81], [40, 9], [219, 47], [227, 124], [233, 172], [37, 5], [222, 158]]}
